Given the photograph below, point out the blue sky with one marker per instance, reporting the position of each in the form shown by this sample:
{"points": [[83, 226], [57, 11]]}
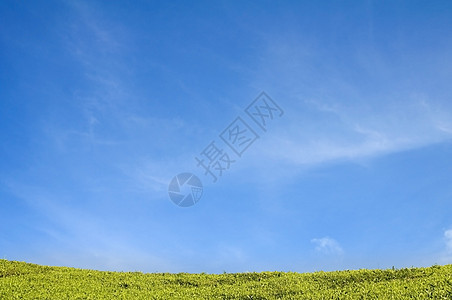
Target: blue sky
{"points": [[102, 103]]}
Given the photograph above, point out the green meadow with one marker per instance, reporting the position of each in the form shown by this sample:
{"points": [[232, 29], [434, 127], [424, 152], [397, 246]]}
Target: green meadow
{"points": [[19, 280]]}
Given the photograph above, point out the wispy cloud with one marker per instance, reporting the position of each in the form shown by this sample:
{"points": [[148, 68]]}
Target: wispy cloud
{"points": [[334, 114], [334, 132], [83, 237], [445, 255], [448, 239], [327, 245]]}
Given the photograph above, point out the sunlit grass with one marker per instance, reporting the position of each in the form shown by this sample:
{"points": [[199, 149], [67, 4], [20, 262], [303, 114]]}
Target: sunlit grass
{"points": [[19, 280]]}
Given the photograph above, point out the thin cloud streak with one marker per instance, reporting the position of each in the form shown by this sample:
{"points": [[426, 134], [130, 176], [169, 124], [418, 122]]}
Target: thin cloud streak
{"points": [[327, 245], [358, 136]]}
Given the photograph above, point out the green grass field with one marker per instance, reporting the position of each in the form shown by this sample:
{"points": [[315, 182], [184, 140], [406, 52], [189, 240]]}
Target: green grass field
{"points": [[19, 280]]}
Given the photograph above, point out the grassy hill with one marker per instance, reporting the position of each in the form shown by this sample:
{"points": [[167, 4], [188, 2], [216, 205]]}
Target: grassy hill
{"points": [[19, 280]]}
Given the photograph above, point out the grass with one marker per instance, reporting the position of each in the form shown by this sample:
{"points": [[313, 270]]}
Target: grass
{"points": [[19, 280]]}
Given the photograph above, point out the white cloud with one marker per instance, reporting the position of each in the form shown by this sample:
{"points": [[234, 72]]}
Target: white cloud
{"points": [[341, 133], [327, 245], [331, 116], [448, 238], [445, 256]]}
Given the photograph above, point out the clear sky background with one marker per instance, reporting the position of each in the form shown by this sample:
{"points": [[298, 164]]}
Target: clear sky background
{"points": [[102, 103]]}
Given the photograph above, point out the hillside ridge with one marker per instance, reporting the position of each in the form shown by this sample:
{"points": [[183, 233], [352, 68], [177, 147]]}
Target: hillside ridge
{"points": [[21, 280]]}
